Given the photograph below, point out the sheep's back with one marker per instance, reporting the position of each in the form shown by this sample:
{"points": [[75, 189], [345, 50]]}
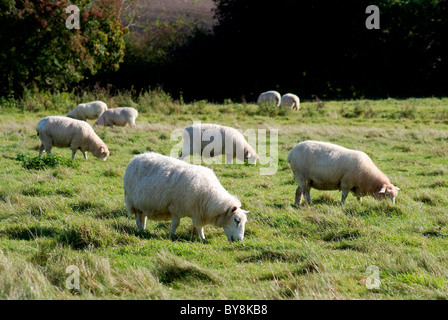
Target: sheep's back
{"points": [[63, 130], [323, 162], [153, 183]]}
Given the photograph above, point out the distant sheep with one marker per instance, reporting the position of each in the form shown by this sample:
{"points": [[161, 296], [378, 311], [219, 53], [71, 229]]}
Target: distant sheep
{"points": [[162, 188], [326, 166], [232, 142], [90, 110], [269, 97], [118, 117], [55, 131], [290, 101]]}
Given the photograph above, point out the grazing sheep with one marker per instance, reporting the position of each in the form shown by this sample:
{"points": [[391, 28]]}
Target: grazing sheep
{"points": [[231, 142], [162, 188], [326, 166], [269, 97], [291, 101], [118, 117], [55, 131], [90, 110]]}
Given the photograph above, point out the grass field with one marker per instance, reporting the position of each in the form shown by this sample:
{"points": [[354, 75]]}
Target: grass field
{"points": [[53, 218]]}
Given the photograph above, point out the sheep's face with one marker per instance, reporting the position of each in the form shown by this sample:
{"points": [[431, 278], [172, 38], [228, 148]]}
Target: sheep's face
{"points": [[251, 157], [99, 122], [388, 191], [102, 153], [233, 223]]}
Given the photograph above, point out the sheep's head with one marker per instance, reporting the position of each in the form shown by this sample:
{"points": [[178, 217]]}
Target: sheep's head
{"points": [[388, 191], [233, 223], [102, 152], [251, 157], [99, 122]]}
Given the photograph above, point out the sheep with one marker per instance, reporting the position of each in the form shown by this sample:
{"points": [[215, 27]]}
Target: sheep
{"points": [[197, 138], [118, 117], [56, 131], [326, 166], [163, 188], [269, 97], [90, 110], [291, 101]]}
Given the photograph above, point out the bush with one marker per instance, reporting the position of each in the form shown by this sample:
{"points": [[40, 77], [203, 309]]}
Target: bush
{"points": [[45, 162]]}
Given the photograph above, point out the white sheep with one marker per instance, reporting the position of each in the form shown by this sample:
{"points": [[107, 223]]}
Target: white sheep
{"points": [[55, 131], [290, 101], [90, 110], [163, 188], [202, 138], [118, 117], [326, 166], [269, 97]]}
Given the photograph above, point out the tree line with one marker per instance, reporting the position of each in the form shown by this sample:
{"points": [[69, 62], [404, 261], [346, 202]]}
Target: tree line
{"points": [[312, 48]]}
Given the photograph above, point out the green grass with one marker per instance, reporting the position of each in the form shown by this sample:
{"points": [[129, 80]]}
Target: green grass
{"points": [[54, 217]]}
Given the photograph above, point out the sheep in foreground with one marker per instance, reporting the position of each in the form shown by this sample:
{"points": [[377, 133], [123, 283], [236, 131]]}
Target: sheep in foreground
{"points": [[209, 140], [291, 101], [162, 188], [269, 97], [118, 117], [326, 166], [90, 110], [55, 131]]}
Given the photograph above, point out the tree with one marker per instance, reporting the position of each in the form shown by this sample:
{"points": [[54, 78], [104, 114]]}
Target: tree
{"points": [[38, 51]]}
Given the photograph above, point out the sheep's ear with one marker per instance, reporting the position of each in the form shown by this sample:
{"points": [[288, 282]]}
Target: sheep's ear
{"points": [[396, 188], [383, 190], [244, 211], [232, 209]]}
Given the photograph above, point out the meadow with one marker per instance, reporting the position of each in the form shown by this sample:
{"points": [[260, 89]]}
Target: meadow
{"points": [[66, 215]]}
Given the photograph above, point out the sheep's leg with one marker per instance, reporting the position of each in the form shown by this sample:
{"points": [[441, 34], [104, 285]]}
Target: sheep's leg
{"points": [[73, 153], [143, 219], [201, 233], [192, 232], [299, 197], [359, 199], [140, 219], [344, 195], [229, 159], [137, 220], [47, 148], [85, 154], [175, 224], [308, 195], [41, 149]]}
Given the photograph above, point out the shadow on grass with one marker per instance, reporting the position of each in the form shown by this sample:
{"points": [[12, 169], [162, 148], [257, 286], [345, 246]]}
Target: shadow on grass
{"points": [[273, 256], [29, 233], [341, 235], [85, 206], [155, 233], [171, 268]]}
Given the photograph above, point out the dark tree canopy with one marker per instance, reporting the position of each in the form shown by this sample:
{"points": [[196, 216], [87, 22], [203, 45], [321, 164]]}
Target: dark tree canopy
{"points": [[320, 47]]}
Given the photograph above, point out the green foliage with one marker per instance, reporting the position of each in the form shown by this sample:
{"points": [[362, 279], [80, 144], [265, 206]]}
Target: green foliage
{"points": [[46, 161], [38, 51], [156, 41]]}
